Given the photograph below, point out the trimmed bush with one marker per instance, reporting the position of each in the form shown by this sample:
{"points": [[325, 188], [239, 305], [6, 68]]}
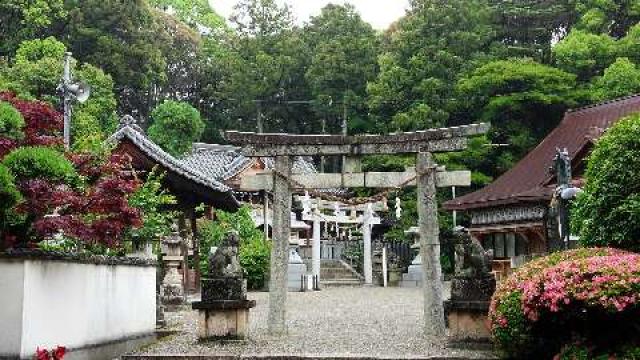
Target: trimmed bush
{"points": [[608, 212], [40, 163], [590, 295], [11, 122], [9, 194]]}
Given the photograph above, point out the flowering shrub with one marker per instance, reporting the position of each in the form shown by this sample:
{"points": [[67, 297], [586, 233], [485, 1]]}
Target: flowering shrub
{"points": [[588, 294], [55, 354]]}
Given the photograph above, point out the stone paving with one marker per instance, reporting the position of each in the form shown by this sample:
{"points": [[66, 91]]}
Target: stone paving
{"points": [[339, 322]]}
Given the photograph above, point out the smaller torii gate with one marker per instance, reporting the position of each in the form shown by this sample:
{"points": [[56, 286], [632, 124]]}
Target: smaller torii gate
{"points": [[282, 182], [367, 220]]}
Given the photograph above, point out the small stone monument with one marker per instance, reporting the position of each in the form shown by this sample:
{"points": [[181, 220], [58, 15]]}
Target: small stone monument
{"points": [[471, 289], [224, 308], [413, 276], [296, 270], [171, 289]]}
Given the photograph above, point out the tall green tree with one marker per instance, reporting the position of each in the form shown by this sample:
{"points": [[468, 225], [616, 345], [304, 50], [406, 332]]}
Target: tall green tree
{"points": [[612, 17], [198, 14], [608, 212], [25, 20], [527, 28], [261, 18], [125, 40], [585, 54], [267, 61], [432, 45], [622, 78], [343, 51], [522, 99]]}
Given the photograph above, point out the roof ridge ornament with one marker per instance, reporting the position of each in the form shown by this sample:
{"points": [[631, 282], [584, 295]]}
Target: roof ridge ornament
{"points": [[131, 122]]}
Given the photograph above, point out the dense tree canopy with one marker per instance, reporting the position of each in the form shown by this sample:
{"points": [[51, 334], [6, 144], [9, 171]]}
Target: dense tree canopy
{"points": [[522, 99], [432, 45], [26, 19]]}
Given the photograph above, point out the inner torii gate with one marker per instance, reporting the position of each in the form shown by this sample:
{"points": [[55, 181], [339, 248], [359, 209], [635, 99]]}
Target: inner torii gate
{"points": [[282, 182]]}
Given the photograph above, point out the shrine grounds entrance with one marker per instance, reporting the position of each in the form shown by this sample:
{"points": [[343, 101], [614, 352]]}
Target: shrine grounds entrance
{"points": [[336, 323], [282, 182]]}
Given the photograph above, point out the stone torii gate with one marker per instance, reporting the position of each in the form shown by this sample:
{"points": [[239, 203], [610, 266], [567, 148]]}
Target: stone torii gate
{"points": [[423, 143]]}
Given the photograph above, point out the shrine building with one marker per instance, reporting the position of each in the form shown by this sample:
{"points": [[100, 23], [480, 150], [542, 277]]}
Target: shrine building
{"points": [[512, 215]]}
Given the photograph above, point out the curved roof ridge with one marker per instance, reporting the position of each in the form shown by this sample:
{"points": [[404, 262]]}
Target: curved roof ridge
{"points": [[602, 103], [157, 153]]}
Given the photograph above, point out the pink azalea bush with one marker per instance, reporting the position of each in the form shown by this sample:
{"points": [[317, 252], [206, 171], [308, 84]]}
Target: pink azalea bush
{"points": [[565, 296]]}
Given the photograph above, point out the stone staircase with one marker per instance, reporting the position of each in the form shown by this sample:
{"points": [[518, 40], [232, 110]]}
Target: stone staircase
{"points": [[334, 273]]}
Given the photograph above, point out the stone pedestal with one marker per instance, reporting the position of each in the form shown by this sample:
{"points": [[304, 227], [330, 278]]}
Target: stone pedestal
{"points": [[223, 312], [295, 271], [468, 320], [467, 311], [223, 319], [413, 276]]}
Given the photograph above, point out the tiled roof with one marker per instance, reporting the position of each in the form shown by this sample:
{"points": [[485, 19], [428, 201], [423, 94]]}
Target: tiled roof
{"points": [[222, 162], [163, 158], [529, 179], [217, 162]]}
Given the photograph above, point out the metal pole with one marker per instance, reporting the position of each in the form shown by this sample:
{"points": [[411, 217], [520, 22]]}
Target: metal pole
{"points": [[66, 101]]}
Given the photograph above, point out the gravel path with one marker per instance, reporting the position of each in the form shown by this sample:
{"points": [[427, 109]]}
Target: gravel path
{"points": [[367, 321]]}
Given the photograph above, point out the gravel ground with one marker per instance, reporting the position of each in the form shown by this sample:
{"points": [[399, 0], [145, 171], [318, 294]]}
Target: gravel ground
{"points": [[366, 321]]}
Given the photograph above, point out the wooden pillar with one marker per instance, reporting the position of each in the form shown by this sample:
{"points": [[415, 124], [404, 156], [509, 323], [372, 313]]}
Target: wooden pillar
{"points": [[196, 246], [182, 226], [279, 247], [265, 213], [430, 247], [316, 243]]}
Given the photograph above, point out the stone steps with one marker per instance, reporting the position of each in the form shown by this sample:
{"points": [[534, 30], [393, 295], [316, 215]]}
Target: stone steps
{"points": [[334, 273]]}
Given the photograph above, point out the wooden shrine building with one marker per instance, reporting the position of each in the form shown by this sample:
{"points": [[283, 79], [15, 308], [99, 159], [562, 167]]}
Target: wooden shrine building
{"points": [[511, 215]]}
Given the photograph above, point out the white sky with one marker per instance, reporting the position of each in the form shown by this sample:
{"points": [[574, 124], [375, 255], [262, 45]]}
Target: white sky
{"points": [[379, 13]]}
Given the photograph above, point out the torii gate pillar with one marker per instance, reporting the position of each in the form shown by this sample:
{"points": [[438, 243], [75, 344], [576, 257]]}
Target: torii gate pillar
{"points": [[280, 245], [430, 246]]}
